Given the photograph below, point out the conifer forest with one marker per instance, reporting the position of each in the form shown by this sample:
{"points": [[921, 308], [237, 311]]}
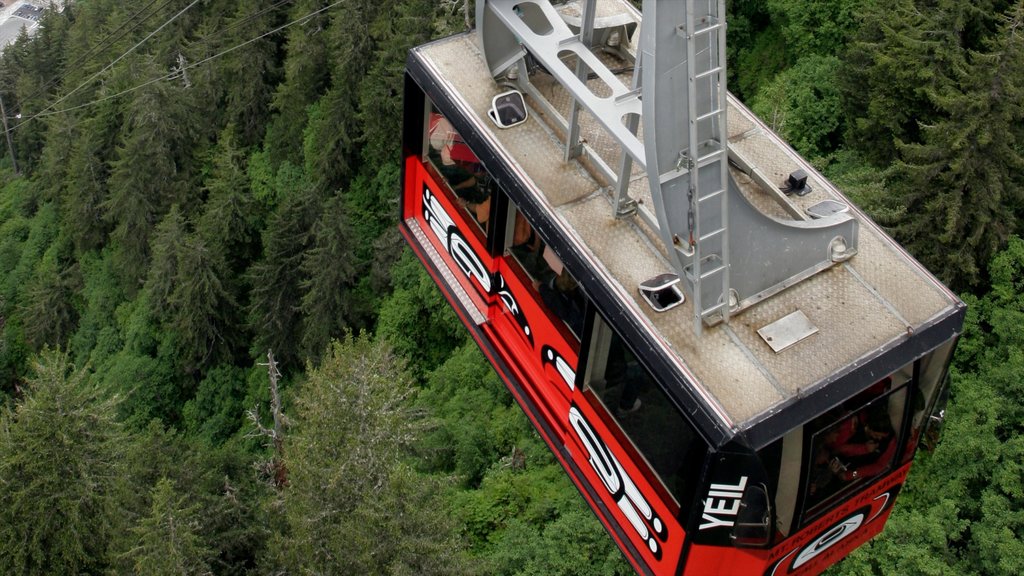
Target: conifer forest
{"points": [[217, 355]]}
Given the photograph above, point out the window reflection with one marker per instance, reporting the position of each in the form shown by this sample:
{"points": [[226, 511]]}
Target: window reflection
{"points": [[459, 167], [857, 442], [558, 291], [930, 399], [645, 414]]}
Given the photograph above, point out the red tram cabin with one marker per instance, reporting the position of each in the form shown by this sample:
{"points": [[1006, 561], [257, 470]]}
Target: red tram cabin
{"points": [[771, 437]]}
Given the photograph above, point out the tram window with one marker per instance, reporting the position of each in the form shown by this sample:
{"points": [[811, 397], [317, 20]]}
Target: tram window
{"points": [[523, 243], [858, 441], [459, 167], [559, 292], [934, 368], [647, 417]]}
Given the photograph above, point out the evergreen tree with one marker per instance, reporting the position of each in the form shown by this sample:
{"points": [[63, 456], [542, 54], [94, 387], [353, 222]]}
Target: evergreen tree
{"points": [[230, 215], [962, 183], [158, 136], [276, 280], [49, 309], [903, 54], [168, 246], [60, 473], [329, 273], [202, 309], [248, 75], [349, 507], [330, 142], [380, 104], [85, 187], [167, 540], [306, 75]]}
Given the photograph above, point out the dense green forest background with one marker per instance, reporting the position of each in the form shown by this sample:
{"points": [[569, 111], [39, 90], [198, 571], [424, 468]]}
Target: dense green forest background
{"points": [[201, 182]]}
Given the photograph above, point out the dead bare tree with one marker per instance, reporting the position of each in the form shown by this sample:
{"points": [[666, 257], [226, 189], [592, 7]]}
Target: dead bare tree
{"points": [[275, 468], [453, 5]]}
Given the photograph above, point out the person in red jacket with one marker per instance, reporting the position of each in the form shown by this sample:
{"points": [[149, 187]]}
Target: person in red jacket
{"points": [[864, 448]]}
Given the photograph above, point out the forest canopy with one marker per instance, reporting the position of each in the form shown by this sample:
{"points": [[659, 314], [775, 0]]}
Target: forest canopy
{"points": [[201, 183]]}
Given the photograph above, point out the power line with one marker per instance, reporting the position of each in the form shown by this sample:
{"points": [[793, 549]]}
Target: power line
{"points": [[103, 43], [116, 60], [175, 73]]}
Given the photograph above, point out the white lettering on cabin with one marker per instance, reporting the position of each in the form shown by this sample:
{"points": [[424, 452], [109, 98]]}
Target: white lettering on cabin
{"points": [[722, 504]]}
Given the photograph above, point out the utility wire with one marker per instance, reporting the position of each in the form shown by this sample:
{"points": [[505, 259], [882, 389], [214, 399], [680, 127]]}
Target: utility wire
{"points": [[103, 43], [99, 45], [174, 74], [116, 60]]}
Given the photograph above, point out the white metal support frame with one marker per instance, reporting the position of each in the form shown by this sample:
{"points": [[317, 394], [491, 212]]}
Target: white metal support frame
{"points": [[729, 254]]}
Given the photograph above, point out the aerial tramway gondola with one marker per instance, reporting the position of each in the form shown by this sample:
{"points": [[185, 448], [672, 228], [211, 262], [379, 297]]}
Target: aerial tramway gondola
{"points": [[734, 365]]}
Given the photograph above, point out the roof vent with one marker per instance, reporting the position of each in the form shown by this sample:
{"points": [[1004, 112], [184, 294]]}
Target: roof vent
{"points": [[662, 292], [508, 109]]}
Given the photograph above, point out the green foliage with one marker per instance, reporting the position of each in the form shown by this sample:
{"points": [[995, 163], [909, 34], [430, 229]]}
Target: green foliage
{"points": [[371, 202], [167, 540], [521, 521], [757, 65], [230, 217], [528, 548], [247, 75], [30, 238], [96, 336], [276, 296], [159, 136], [818, 27], [216, 482], [216, 413], [395, 31], [903, 55], [202, 307], [516, 508], [350, 508], [85, 183], [49, 301], [803, 105], [329, 273], [865, 185], [965, 174], [150, 387], [305, 78], [60, 473], [416, 318], [478, 421]]}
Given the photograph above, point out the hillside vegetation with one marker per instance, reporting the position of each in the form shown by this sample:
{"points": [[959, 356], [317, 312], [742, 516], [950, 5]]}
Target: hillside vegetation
{"points": [[201, 183]]}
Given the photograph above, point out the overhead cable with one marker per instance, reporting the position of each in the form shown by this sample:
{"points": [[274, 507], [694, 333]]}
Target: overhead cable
{"points": [[109, 66], [176, 72], [103, 43]]}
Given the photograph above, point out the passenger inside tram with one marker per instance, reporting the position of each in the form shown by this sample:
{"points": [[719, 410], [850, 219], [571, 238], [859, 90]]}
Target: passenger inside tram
{"points": [[866, 449], [851, 446], [561, 294], [459, 167]]}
